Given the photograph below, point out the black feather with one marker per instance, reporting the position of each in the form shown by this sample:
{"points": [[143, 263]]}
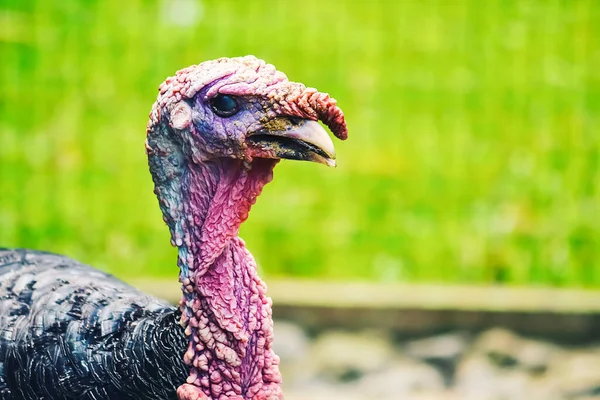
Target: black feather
{"points": [[69, 331]]}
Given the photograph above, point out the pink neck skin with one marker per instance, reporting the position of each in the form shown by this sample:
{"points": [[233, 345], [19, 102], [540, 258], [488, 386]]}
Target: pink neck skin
{"points": [[225, 310]]}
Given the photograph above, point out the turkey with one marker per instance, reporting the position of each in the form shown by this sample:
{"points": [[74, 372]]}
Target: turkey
{"points": [[215, 133]]}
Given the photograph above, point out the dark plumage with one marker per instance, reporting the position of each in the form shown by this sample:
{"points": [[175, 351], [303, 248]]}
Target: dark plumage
{"points": [[68, 331]]}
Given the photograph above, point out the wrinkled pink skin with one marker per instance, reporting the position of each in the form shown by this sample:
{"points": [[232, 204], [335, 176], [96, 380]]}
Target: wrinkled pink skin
{"points": [[225, 310], [206, 181]]}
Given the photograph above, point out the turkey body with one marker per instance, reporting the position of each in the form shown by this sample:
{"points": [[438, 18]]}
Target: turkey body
{"points": [[69, 331]]}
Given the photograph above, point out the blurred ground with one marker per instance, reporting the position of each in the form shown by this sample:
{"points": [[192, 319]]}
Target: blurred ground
{"points": [[357, 341], [495, 364], [473, 153]]}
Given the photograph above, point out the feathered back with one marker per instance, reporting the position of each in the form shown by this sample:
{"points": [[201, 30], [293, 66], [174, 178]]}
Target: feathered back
{"points": [[70, 331]]}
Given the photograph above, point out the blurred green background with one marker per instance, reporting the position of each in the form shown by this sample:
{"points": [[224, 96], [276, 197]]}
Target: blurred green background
{"points": [[474, 152]]}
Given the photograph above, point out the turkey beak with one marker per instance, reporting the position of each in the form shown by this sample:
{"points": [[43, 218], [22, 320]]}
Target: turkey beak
{"points": [[293, 139]]}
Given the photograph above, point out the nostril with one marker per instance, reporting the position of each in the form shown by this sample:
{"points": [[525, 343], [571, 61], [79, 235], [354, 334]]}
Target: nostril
{"points": [[295, 121]]}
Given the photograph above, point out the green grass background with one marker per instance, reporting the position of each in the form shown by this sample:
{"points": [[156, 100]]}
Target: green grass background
{"points": [[474, 149]]}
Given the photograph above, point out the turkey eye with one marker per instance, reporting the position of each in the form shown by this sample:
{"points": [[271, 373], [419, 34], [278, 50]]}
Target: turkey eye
{"points": [[224, 105]]}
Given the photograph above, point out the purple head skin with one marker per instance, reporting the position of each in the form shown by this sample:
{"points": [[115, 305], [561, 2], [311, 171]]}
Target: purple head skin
{"points": [[215, 134]]}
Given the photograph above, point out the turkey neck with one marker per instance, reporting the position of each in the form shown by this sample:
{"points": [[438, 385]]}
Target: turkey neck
{"points": [[225, 311]]}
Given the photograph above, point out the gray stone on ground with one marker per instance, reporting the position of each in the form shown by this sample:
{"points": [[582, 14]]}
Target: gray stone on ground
{"points": [[576, 374], [478, 378], [292, 343], [509, 350], [345, 356], [449, 346], [403, 377]]}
